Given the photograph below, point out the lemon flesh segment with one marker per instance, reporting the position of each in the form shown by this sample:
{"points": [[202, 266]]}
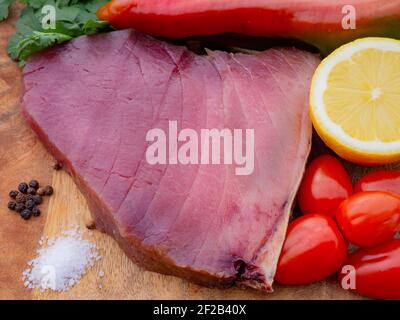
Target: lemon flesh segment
{"points": [[360, 100], [363, 95]]}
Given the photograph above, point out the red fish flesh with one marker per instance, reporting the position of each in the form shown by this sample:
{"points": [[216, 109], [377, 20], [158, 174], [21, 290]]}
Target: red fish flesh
{"points": [[92, 102]]}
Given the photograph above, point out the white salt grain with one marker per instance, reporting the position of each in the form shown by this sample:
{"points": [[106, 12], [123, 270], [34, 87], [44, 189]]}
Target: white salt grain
{"points": [[61, 262]]}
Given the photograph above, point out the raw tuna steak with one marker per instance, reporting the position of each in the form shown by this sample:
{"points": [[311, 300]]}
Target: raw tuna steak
{"points": [[92, 102]]}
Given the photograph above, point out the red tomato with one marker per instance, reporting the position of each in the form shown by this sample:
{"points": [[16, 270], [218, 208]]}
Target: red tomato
{"points": [[383, 180], [369, 218], [313, 250], [376, 271], [325, 185]]}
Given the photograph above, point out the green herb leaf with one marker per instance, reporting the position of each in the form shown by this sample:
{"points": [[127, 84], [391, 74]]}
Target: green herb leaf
{"points": [[4, 8], [73, 19]]}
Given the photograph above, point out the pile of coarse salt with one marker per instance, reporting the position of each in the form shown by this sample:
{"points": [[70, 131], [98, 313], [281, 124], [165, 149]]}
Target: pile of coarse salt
{"points": [[61, 261]]}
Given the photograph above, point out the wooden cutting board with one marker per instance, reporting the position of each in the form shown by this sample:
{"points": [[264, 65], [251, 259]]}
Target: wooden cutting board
{"points": [[22, 157], [124, 280]]}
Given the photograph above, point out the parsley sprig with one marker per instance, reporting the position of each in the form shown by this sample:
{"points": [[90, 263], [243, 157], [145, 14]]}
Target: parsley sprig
{"points": [[73, 19], [4, 8]]}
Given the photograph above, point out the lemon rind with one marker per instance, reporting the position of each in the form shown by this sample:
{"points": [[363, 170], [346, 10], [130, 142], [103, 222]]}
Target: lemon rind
{"points": [[328, 129]]}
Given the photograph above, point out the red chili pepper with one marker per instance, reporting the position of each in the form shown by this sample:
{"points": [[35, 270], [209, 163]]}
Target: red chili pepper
{"points": [[319, 22]]}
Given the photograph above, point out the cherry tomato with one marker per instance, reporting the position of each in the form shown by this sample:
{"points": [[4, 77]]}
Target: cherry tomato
{"points": [[376, 271], [383, 180], [369, 218], [325, 185], [313, 250]]}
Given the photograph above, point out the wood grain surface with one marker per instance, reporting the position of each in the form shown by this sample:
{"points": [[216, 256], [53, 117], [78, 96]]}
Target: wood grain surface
{"points": [[22, 157], [124, 280]]}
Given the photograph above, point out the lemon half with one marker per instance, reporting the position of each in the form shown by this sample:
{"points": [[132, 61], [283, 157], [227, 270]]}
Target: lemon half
{"points": [[355, 101]]}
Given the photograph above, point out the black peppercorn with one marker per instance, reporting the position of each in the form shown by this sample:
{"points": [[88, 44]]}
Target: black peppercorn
{"points": [[29, 204], [11, 205], [36, 212], [26, 214], [48, 190], [19, 207], [23, 187], [57, 165], [13, 194], [34, 184], [40, 191], [20, 198], [37, 199], [31, 190]]}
